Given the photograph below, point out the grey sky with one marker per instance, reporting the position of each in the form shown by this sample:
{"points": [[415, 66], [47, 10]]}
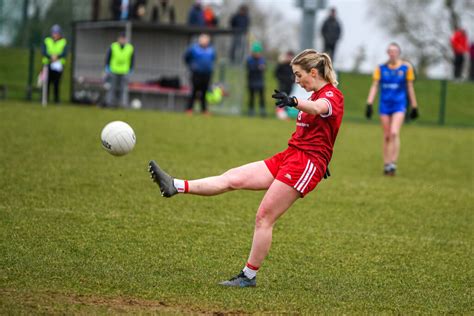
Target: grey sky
{"points": [[359, 30]]}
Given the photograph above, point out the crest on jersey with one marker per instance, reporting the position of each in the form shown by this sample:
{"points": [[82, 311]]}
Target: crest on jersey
{"points": [[329, 94]]}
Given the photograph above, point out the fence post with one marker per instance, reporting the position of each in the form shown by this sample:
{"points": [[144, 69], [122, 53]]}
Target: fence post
{"points": [[31, 65], [442, 102]]}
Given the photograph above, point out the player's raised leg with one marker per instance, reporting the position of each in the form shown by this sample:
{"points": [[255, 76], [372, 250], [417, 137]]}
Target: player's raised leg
{"points": [[275, 203], [252, 176]]}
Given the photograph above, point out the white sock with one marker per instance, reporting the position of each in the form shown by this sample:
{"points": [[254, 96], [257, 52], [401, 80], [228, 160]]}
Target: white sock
{"points": [[250, 273], [181, 185]]}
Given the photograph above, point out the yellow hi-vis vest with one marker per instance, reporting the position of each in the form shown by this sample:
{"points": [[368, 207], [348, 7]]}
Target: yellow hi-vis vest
{"points": [[121, 58], [54, 48]]}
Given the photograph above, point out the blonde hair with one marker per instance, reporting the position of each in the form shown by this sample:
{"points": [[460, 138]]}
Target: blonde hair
{"points": [[310, 58]]}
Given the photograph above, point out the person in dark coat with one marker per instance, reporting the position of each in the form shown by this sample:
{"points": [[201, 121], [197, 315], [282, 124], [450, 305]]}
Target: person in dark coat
{"points": [[331, 32], [285, 78], [196, 15], [256, 81], [239, 23], [284, 73]]}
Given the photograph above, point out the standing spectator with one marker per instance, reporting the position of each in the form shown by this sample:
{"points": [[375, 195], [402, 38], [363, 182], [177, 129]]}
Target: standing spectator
{"points": [[471, 53], [196, 15], [54, 50], [395, 79], [120, 9], [460, 47], [284, 73], [210, 18], [164, 13], [239, 23], [200, 58], [255, 78], [119, 64], [331, 32], [286, 78]]}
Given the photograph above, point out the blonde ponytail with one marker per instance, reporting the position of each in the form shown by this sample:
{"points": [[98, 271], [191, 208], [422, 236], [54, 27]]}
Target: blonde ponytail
{"points": [[310, 58]]}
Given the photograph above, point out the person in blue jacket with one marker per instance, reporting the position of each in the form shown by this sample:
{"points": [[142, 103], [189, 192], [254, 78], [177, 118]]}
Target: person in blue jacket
{"points": [[200, 58], [255, 77]]}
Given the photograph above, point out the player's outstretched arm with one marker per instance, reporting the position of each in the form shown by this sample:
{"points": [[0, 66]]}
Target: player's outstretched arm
{"points": [[317, 107], [312, 107]]}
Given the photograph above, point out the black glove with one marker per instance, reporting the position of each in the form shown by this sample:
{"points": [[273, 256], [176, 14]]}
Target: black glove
{"points": [[327, 174], [282, 99], [414, 113], [368, 111]]}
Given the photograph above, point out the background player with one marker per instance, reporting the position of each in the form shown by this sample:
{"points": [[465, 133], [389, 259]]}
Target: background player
{"points": [[288, 175], [395, 79]]}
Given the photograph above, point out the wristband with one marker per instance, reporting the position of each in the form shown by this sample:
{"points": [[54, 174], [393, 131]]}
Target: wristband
{"points": [[295, 100]]}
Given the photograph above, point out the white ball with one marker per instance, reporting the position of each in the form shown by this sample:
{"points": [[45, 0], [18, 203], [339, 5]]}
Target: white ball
{"points": [[136, 104], [118, 138]]}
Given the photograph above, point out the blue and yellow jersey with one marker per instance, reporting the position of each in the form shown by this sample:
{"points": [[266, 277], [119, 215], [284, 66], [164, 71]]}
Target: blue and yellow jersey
{"points": [[393, 83]]}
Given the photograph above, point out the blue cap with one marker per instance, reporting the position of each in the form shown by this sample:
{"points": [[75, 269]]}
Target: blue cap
{"points": [[56, 29]]}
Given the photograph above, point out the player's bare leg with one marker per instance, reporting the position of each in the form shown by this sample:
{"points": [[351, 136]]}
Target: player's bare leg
{"points": [[385, 120], [391, 126], [395, 126], [252, 176], [275, 203]]}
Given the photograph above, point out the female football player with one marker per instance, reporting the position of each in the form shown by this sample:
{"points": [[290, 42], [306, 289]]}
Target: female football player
{"points": [[395, 79], [288, 175]]}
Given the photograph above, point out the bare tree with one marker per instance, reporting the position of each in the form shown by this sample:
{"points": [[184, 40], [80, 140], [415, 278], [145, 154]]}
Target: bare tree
{"points": [[425, 26]]}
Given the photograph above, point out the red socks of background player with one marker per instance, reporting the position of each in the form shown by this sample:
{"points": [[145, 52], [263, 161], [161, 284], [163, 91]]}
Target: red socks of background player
{"points": [[250, 271], [181, 185]]}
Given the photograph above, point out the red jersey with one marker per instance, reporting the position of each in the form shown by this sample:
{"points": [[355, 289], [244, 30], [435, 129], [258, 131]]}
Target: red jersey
{"points": [[316, 134]]}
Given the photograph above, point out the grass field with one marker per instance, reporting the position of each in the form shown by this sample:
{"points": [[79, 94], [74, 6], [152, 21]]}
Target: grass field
{"points": [[83, 231]]}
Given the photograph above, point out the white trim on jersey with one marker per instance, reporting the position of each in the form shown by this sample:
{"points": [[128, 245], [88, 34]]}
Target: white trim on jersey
{"points": [[303, 181], [329, 108]]}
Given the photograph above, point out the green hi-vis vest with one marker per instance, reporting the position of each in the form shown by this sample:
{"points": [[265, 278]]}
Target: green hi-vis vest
{"points": [[121, 58], [54, 48]]}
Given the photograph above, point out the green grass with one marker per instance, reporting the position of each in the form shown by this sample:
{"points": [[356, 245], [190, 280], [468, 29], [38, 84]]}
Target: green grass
{"points": [[459, 102], [82, 231]]}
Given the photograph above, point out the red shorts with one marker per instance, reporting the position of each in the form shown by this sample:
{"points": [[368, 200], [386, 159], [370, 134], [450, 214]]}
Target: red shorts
{"points": [[294, 168]]}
